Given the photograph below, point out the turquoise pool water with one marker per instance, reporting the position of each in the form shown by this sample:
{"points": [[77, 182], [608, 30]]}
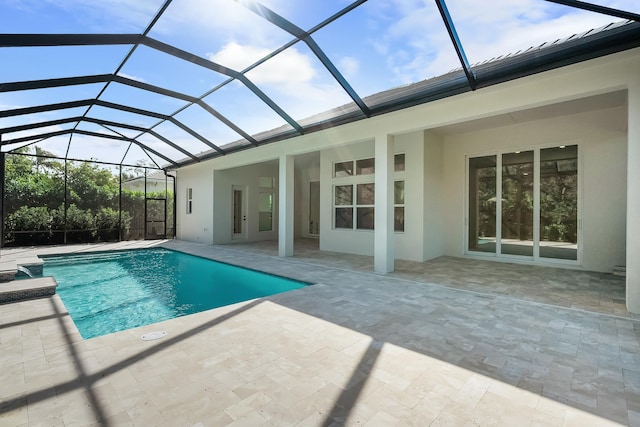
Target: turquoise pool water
{"points": [[113, 291]]}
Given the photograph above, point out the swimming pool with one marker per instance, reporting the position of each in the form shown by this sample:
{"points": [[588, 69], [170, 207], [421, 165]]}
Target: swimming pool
{"points": [[112, 291]]}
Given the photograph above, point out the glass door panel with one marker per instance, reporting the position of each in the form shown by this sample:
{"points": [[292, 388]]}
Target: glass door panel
{"points": [[517, 203], [265, 212], [559, 202], [482, 204]]}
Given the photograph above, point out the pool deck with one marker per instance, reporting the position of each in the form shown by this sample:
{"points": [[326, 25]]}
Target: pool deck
{"points": [[446, 342]]}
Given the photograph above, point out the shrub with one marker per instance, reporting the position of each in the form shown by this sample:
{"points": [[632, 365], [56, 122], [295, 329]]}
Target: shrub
{"points": [[107, 221], [35, 220]]}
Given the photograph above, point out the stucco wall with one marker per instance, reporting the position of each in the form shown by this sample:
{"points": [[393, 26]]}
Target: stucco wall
{"points": [[601, 139], [212, 193], [248, 177], [408, 244], [433, 218], [198, 225], [601, 147]]}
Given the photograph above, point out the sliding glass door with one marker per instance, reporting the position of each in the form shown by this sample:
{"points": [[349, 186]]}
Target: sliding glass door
{"points": [[524, 203], [517, 203], [559, 202], [482, 204]]}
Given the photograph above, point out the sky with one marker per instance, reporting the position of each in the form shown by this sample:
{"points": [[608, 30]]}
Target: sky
{"points": [[379, 45]]}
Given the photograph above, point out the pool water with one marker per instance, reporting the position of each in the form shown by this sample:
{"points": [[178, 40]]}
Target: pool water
{"points": [[113, 291]]}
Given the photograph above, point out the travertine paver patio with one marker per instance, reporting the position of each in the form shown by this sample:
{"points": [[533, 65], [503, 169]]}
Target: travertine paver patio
{"points": [[356, 348]]}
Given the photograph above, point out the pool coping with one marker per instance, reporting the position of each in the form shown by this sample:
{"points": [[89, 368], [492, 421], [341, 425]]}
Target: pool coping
{"points": [[185, 252]]}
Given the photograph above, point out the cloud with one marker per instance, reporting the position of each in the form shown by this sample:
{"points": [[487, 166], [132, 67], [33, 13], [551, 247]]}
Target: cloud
{"points": [[295, 79], [132, 77], [217, 22], [411, 34], [107, 15], [35, 131], [288, 67], [349, 66]]}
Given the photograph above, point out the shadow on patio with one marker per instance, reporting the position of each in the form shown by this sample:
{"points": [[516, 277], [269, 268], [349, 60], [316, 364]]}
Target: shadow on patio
{"points": [[355, 347]]}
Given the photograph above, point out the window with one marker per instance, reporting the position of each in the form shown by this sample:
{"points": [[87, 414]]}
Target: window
{"points": [[365, 166], [503, 214], [398, 162], [365, 206], [559, 202], [344, 206], [354, 203], [265, 203], [189, 200], [482, 204], [343, 169], [398, 206], [265, 212], [517, 203]]}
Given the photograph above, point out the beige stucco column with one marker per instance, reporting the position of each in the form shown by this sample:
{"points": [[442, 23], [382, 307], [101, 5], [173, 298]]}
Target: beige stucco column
{"points": [[633, 200], [285, 206], [383, 234]]}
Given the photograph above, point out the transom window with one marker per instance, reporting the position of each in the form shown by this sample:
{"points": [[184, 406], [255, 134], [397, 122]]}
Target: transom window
{"points": [[364, 166]]}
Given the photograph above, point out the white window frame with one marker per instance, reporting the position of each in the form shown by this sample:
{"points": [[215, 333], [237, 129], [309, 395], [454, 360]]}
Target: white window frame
{"points": [[353, 181], [536, 258], [189, 200], [400, 205]]}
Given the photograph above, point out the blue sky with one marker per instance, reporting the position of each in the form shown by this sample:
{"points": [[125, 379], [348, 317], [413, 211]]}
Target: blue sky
{"points": [[380, 45]]}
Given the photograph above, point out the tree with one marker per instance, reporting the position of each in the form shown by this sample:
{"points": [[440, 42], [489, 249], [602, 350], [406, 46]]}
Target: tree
{"points": [[35, 201]]}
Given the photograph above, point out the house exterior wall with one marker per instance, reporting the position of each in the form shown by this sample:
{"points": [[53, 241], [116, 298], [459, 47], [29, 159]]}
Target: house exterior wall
{"points": [[433, 218], [601, 140], [408, 244], [435, 205], [248, 177], [211, 219], [196, 226]]}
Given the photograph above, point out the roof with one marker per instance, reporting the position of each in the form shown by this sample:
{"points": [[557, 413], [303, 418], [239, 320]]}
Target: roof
{"points": [[231, 110]]}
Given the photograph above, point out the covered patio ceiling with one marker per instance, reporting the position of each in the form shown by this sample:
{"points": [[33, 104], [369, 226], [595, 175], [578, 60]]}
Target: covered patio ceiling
{"points": [[173, 82]]}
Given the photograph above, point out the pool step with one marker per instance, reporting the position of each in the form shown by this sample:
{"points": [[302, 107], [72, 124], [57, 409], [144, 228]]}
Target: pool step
{"points": [[84, 258], [20, 290]]}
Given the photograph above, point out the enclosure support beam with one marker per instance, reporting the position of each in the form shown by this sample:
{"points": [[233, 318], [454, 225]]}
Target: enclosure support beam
{"points": [[65, 202], [120, 205], [457, 44], [145, 203], [285, 206], [2, 188], [383, 260]]}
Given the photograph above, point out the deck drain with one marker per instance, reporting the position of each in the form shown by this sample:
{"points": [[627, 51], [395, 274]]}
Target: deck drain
{"points": [[153, 336]]}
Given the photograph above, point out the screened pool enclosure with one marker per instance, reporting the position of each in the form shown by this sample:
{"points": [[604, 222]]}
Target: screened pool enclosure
{"points": [[102, 102]]}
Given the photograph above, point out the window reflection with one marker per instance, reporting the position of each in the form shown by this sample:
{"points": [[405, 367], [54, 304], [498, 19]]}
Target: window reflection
{"points": [[517, 203], [366, 194], [482, 204], [559, 202]]}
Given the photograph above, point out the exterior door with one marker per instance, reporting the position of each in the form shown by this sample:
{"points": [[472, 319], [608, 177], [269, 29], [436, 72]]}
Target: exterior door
{"points": [[155, 219], [314, 208], [239, 212]]}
